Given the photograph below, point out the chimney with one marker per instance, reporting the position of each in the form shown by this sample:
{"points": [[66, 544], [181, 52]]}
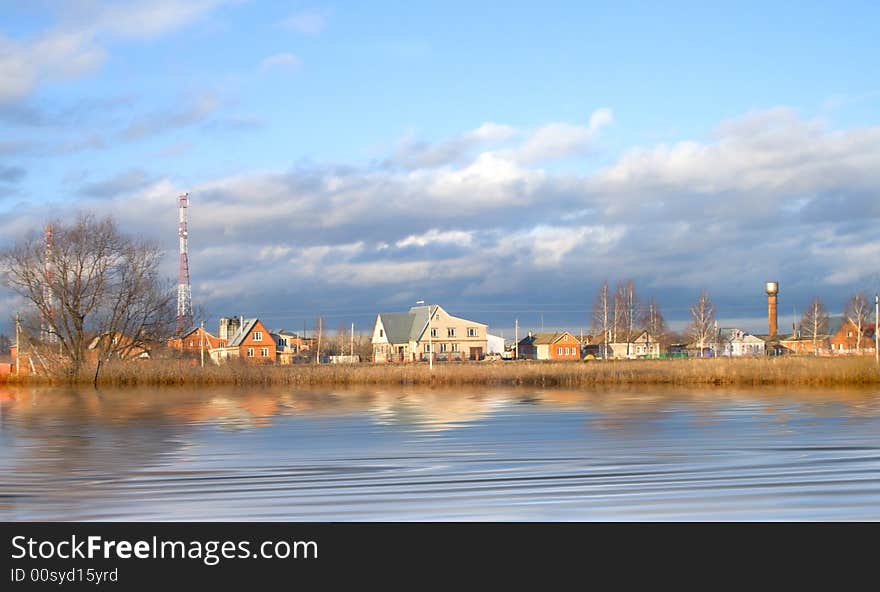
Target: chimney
{"points": [[772, 289], [224, 329]]}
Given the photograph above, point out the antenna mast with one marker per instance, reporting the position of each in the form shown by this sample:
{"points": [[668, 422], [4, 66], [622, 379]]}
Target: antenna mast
{"points": [[184, 290], [47, 331]]}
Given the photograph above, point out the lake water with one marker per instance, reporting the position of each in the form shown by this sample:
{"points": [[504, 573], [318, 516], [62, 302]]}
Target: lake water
{"points": [[439, 454]]}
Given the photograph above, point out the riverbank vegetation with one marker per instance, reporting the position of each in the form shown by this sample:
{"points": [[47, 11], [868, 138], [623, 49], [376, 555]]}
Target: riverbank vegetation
{"points": [[721, 371]]}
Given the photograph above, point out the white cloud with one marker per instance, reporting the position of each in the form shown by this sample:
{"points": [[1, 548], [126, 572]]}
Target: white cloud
{"points": [[559, 140], [548, 142], [282, 61], [310, 22], [550, 245], [76, 46], [750, 168], [433, 236]]}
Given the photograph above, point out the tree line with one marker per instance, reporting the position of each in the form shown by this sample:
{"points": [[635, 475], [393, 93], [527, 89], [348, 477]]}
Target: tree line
{"points": [[621, 316]]}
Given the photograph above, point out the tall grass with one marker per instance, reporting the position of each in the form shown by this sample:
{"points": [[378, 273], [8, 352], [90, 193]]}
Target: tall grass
{"points": [[757, 371]]}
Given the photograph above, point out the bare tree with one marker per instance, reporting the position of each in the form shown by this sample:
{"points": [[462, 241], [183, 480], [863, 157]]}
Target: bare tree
{"points": [[814, 322], [858, 311], [319, 333], [653, 322], [92, 288], [702, 324], [627, 308], [602, 316]]}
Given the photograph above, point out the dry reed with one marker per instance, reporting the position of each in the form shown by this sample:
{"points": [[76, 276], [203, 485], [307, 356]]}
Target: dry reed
{"points": [[722, 371]]}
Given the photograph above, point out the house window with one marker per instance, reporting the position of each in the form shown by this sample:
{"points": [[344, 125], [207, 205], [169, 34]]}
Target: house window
{"points": [[849, 333], [434, 332], [472, 331], [558, 351], [381, 333], [455, 347], [264, 352], [190, 342], [250, 352], [450, 332], [258, 336], [427, 348]]}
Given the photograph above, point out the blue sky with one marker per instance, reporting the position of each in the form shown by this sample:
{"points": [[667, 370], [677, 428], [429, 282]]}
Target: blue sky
{"points": [[500, 159]]}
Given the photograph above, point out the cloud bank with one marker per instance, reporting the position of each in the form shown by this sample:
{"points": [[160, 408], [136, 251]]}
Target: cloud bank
{"points": [[483, 224]]}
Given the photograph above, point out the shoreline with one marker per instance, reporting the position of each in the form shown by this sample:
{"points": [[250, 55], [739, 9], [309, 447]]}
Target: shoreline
{"points": [[680, 372]]}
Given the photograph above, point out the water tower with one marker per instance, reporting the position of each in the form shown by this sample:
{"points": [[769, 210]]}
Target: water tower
{"points": [[772, 289]]}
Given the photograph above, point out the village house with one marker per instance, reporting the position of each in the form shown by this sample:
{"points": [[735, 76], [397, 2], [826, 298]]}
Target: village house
{"points": [[290, 346], [251, 342], [640, 345], [845, 341], [192, 341], [494, 345], [125, 347], [738, 343], [411, 336], [559, 345], [800, 345]]}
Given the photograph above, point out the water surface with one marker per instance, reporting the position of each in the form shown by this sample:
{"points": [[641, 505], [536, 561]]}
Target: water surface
{"points": [[439, 454]]}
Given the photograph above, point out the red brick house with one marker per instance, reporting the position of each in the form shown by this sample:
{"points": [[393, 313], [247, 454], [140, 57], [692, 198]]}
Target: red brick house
{"points": [[846, 339], [251, 343], [560, 345], [191, 341]]}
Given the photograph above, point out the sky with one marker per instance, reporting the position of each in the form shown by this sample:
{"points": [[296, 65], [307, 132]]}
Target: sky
{"points": [[501, 159]]}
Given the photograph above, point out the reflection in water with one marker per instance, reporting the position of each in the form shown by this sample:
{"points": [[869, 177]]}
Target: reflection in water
{"points": [[439, 454]]}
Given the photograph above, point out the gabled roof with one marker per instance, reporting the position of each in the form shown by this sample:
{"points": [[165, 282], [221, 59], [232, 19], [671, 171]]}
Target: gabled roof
{"points": [[186, 333], [420, 318], [403, 327], [189, 332], [545, 338], [730, 333], [397, 326], [834, 324], [626, 337], [243, 331]]}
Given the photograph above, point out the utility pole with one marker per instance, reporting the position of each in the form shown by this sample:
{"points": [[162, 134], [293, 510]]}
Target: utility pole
{"points": [[351, 343], [516, 339], [202, 342], [17, 344]]}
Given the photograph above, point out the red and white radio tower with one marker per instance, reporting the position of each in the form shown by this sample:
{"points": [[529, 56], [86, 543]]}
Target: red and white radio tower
{"points": [[48, 296], [184, 290]]}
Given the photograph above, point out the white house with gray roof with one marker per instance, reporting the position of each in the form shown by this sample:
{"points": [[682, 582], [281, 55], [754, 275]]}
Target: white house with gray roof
{"points": [[736, 342], [414, 335]]}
